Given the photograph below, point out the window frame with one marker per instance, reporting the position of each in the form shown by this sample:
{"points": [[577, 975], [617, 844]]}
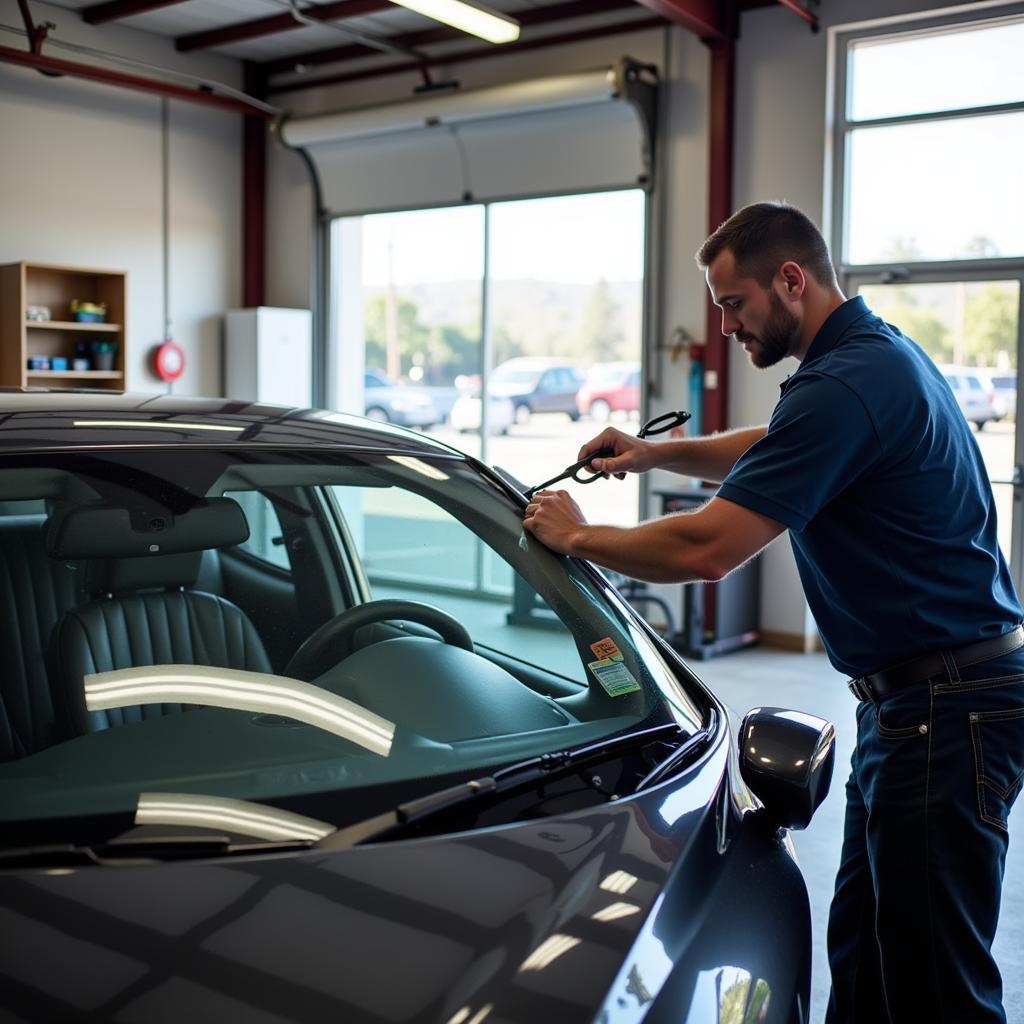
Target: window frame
{"points": [[852, 277], [841, 126]]}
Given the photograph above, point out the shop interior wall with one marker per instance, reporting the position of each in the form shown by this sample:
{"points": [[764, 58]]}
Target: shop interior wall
{"points": [[81, 185]]}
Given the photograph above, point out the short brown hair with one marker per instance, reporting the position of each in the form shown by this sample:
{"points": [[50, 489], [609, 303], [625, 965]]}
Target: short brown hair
{"points": [[763, 236]]}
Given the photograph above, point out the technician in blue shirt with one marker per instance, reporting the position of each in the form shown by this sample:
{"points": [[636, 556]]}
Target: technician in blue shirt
{"points": [[870, 465]]}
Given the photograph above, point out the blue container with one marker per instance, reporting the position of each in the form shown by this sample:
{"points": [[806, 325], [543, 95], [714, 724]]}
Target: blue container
{"points": [[58, 363]]}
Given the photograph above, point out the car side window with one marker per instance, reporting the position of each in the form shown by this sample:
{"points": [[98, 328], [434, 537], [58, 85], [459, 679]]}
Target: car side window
{"points": [[266, 538]]}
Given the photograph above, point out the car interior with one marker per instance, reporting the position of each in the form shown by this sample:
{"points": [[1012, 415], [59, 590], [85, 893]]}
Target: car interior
{"points": [[392, 594]]}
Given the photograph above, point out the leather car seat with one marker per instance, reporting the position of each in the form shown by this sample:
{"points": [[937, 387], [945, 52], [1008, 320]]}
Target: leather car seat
{"points": [[141, 613], [35, 591]]}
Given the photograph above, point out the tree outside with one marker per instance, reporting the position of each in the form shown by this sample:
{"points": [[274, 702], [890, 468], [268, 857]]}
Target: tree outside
{"points": [[964, 323]]}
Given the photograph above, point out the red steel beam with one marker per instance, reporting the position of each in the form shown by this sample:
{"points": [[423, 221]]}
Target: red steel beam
{"points": [[720, 171], [114, 9], [802, 12], [702, 17], [338, 11], [528, 19], [464, 55], [254, 193], [110, 77]]}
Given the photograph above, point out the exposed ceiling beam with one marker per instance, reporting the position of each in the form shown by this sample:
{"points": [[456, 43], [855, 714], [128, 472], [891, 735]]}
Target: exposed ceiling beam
{"points": [[114, 9], [475, 54], [528, 19], [702, 17], [338, 11]]}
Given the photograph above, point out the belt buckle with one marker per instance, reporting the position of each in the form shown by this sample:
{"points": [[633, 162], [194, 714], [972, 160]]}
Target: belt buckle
{"points": [[859, 688]]}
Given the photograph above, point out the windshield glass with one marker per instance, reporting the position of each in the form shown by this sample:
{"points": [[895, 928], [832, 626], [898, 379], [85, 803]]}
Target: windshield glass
{"points": [[221, 629]]}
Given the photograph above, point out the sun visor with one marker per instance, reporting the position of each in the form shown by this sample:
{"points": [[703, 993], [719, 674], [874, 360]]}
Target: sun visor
{"points": [[564, 134], [110, 531]]}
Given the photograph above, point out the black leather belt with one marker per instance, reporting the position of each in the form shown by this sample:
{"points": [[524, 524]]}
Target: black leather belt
{"points": [[917, 670]]}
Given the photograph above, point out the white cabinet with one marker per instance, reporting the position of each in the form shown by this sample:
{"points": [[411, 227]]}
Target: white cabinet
{"points": [[268, 356]]}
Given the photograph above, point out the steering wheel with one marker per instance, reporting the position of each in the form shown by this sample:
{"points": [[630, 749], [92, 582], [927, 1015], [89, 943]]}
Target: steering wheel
{"points": [[335, 640]]}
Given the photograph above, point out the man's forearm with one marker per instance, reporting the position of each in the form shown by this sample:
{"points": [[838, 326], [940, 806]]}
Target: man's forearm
{"points": [[707, 458], [641, 552]]}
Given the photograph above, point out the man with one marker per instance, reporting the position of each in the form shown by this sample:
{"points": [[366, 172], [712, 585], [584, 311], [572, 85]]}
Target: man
{"points": [[870, 465]]}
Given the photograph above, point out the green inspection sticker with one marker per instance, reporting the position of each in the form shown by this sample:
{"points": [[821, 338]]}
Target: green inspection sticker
{"points": [[613, 675]]}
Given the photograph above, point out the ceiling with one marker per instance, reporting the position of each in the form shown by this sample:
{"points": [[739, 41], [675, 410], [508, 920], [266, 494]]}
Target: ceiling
{"points": [[290, 44]]}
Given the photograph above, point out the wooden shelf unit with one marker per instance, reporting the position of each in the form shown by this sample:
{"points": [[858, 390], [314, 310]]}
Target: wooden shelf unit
{"points": [[27, 284]]}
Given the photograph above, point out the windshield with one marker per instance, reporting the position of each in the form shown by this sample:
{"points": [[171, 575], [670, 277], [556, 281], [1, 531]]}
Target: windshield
{"points": [[322, 635]]}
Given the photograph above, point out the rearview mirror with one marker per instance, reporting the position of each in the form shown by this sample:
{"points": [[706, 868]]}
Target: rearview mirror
{"points": [[786, 758]]}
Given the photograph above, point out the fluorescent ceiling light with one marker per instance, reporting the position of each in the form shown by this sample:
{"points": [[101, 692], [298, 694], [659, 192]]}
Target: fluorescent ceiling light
{"points": [[156, 425], [619, 882], [471, 18], [242, 816], [239, 690], [616, 910], [419, 466], [550, 949]]}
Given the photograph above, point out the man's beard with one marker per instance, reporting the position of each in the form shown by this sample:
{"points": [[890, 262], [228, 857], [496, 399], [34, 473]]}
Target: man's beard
{"points": [[779, 337]]}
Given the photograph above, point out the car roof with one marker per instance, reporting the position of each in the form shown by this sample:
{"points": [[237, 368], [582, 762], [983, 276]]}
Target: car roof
{"points": [[34, 419]]}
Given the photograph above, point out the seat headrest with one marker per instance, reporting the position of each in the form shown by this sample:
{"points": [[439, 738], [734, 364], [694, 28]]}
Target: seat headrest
{"points": [[101, 530], [124, 575]]}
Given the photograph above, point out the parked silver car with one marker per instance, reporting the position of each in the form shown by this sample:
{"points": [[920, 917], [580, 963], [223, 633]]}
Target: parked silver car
{"points": [[388, 402], [976, 399]]}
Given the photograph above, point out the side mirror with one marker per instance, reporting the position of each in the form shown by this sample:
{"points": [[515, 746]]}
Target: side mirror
{"points": [[786, 758]]}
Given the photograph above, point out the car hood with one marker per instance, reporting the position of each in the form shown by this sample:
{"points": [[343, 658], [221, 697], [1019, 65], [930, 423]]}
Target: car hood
{"points": [[547, 920]]}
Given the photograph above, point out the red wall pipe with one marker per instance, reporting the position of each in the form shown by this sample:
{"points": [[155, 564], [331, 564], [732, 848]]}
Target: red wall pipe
{"points": [[109, 77], [254, 198], [720, 170]]}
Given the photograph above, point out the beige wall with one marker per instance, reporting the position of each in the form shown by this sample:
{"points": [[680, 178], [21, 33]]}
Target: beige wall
{"points": [[81, 184]]}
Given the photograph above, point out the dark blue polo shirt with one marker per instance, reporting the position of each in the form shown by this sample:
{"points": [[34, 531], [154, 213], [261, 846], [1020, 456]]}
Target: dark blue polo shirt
{"points": [[872, 466]]}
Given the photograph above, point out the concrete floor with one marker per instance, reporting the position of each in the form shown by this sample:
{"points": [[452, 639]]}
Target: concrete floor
{"points": [[806, 682]]}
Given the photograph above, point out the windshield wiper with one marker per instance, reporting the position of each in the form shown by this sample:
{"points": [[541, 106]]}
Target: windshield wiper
{"points": [[139, 849], [411, 816]]}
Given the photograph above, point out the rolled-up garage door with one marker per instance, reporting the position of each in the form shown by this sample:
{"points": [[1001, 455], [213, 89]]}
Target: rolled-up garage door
{"points": [[564, 134]]}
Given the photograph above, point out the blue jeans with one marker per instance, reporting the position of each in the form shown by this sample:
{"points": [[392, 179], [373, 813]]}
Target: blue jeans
{"points": [[935, 772]]}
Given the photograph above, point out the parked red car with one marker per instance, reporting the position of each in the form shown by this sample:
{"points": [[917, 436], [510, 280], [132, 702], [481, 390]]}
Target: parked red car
{"points": [[610, 387]]}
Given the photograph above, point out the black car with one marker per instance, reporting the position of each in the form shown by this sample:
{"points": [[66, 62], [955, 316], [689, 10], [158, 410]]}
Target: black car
{"points": [[298, 724]]}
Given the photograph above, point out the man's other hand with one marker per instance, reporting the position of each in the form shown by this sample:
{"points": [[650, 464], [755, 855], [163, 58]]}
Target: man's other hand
{"points": [[554, 519]]}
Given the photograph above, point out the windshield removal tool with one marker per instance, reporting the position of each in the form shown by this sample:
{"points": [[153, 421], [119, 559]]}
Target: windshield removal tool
{"points": [[659, 425]]}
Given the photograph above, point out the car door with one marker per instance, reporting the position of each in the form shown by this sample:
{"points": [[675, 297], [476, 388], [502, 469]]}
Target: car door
{"points": [[545, 394]]}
